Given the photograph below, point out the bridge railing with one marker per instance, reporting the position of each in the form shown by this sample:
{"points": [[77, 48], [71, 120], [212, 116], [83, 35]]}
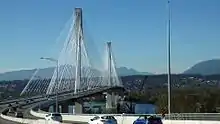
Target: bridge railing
{"points": [[80, 93], [128, 118], [173, 116], [194, 116]]}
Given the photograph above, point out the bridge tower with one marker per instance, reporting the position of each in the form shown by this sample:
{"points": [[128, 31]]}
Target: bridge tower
{"points": [[109, 63], [111, 97], [79, 37]]}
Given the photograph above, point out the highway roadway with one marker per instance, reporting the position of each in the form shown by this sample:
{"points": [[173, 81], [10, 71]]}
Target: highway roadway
{"points": [[3, 121], [26, 113], [26, 109]]}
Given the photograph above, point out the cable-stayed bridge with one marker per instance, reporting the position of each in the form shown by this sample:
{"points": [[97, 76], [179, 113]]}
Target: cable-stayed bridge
{"points": [[74, 73], [74, 76]]}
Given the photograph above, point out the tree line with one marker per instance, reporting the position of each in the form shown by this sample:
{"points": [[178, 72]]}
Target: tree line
{"points": [[185, 100]]}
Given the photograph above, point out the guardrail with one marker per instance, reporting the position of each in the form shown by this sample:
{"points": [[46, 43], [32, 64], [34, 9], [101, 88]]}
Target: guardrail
{"points": [[175, 117], [195, 116], [123, 118], [20, 99], [24, 120], [19, 120], [52, 95], [29, 121]]}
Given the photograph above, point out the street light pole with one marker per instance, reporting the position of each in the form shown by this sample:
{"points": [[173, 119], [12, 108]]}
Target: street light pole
{"points": [[168, 57], [56, 81]]}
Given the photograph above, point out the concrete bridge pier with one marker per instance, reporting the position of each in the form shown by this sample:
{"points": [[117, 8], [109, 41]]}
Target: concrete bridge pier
{"points": [[64, 106], [108, 101], [111, 100], [78, 107]]}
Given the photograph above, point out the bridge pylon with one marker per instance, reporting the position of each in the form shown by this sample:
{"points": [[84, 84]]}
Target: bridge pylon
{"points": [[79, 37], [111, 76], [112, 79]]}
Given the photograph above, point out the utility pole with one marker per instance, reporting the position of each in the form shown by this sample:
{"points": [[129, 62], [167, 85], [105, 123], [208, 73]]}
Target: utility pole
{"points": [[168, 57], [57, 81]]}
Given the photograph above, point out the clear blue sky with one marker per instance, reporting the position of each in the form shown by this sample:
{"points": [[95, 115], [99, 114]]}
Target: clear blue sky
{"points": [[137, 28]]}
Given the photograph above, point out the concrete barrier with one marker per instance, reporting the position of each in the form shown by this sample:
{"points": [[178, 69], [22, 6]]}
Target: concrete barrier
{"points": [[122, 119], [29, 121], [20, 120], [129, 120], [38, 114], [189, 122]]}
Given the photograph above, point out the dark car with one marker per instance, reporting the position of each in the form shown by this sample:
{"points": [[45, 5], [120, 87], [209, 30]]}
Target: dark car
{"points": [[19, 114], [148, 119], [9, 105], [12, 110]]}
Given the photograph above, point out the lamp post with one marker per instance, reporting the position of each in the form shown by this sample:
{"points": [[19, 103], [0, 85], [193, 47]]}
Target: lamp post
{"points": [[56, 86], [39, 103], [168, 57]]}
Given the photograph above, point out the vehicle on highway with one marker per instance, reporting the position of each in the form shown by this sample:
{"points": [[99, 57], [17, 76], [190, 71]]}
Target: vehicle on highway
{"points": [[9, 105], [54, 117], [19, 114], [12, 110], [148, 119], [104, 119], [20, 106], [49, 99]]}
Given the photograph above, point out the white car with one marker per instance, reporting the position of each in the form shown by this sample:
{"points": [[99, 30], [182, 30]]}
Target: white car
{"points": [[104, 119], [54, 117]]}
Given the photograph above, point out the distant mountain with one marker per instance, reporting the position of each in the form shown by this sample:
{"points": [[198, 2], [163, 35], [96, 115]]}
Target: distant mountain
{"points": [[25, 74], [47, 73], [123, 71], [208, 67]]}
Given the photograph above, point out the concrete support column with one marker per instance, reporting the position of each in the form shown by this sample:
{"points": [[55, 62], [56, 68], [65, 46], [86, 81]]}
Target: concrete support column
{"points": [[115, 98], [71, 109], [111, 100], [108, 101], [64, 106], [78, 107], [60, 109]]}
